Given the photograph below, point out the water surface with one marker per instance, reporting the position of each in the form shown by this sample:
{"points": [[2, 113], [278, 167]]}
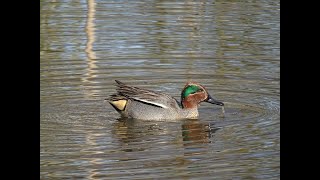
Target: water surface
{"points": [[231, 47]]}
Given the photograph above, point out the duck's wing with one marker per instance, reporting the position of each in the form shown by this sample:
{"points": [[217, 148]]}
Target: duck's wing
{"points": [[143, 95]]}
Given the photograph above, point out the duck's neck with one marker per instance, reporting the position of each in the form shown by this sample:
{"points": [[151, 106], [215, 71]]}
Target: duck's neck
{"points": [[189, 110], [189, 104]]}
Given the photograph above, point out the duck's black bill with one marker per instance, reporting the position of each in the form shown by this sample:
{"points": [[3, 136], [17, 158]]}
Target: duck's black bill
{"points": [[213, 101]]}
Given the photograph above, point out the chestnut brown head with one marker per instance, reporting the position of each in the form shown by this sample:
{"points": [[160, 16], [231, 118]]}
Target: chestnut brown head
{"points": [[194, 93]]}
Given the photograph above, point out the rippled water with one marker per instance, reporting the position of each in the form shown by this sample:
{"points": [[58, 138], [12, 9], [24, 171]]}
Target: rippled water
{"points": [[231, 47]]}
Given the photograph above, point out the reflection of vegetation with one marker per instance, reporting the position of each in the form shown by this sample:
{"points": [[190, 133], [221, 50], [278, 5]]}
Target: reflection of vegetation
{"points": [[45, 25], [57, 29], [158, 33], [238, 33]]}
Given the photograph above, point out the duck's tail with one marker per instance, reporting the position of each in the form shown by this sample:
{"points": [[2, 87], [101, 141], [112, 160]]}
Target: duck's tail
{"points": [[118, 101]]}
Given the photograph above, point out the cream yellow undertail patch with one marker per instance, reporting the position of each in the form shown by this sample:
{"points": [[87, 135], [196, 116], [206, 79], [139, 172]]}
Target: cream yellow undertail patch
{"points": [[120, 104]]}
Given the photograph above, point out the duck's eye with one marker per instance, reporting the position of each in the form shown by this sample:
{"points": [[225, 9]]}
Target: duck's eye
{"points": [[200, 90]]}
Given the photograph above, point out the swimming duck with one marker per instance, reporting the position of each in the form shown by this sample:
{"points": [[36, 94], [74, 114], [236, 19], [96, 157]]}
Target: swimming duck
{"points": [[138, 103]]}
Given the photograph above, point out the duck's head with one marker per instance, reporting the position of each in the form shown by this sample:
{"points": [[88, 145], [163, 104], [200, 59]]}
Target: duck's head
{"points": [[193, 93]]}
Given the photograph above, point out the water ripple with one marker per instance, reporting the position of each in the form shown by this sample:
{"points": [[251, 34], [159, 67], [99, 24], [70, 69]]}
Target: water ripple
{"points": [[232, 48]]}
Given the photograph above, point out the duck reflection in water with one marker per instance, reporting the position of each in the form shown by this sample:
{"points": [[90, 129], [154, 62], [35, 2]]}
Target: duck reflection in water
{"points": [[150, 144], [138, 135]]}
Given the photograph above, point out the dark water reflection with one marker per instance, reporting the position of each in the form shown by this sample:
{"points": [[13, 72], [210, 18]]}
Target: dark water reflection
{"points": [[231, 47]]}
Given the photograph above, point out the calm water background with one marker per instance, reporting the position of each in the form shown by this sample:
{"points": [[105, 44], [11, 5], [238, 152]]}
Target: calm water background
{"points": [[231, 47]]}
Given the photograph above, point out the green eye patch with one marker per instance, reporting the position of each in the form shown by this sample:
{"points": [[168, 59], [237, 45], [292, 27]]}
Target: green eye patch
{"points": [[190, 90]]}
